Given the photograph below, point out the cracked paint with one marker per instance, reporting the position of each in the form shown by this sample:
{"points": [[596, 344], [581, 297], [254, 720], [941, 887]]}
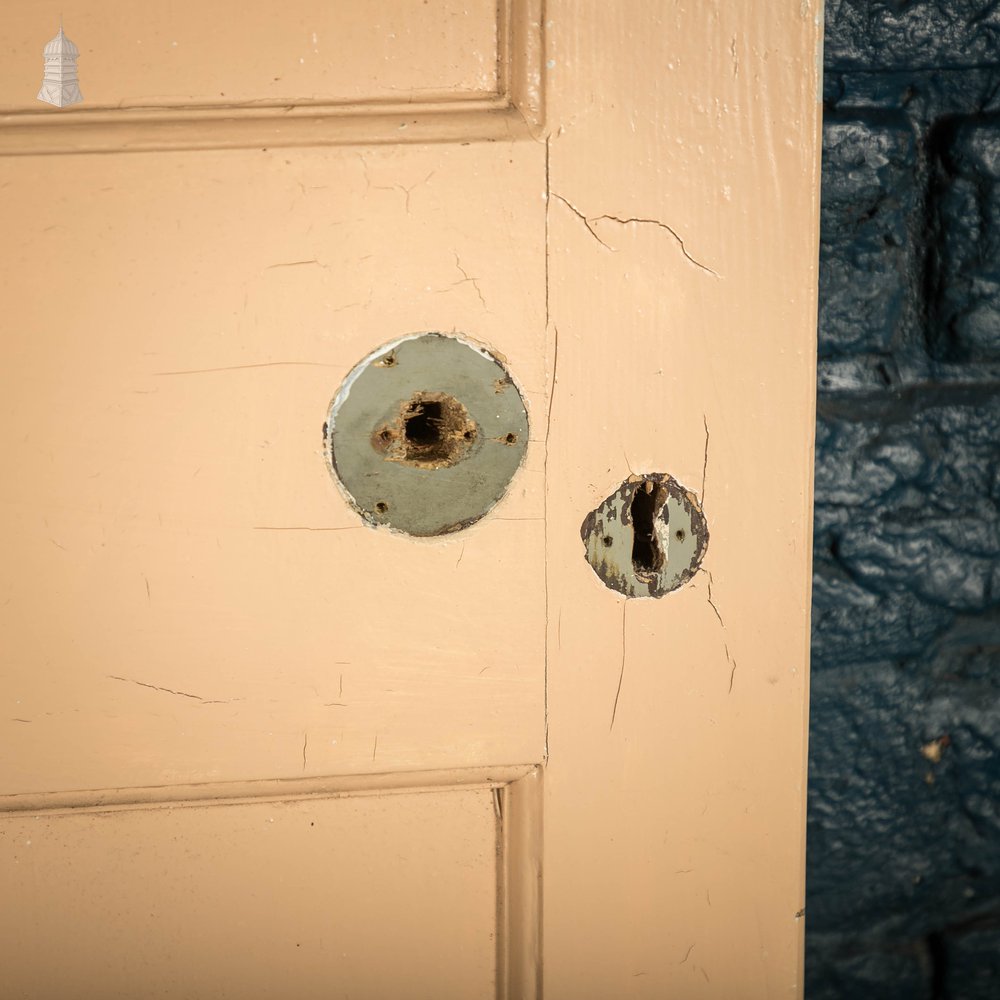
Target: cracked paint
{"points": [[590, 222], [179, 694]]}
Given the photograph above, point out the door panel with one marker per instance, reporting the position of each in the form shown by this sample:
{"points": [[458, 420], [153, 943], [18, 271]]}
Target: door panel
{"points": [[378, 895], [187, 597], [227, 53]]}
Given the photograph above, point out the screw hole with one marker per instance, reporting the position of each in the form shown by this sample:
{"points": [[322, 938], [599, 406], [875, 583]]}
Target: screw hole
{"points": [[381, 507], [511, 438], [389, 360], [467, 435], [679, 535], [608, 541]]}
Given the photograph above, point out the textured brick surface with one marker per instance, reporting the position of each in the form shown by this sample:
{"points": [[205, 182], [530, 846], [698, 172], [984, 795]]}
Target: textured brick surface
{"points": [[973, 964], [903, 797], [892, 972], [903, 870], [911, 34], [965, 269], [867, 255], [907, 498]]}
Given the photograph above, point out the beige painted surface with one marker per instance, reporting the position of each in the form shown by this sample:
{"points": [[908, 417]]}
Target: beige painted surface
{"points": [[682, 234], [187, 599], [186, 595], [365, 896], [227, 53]]}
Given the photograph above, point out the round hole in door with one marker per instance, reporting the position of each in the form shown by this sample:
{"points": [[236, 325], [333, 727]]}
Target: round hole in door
{"points": [[426, 433]]}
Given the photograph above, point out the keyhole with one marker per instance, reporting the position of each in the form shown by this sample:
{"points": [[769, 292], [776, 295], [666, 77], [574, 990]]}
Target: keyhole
{"points": [[647, 556], [667, 541]]}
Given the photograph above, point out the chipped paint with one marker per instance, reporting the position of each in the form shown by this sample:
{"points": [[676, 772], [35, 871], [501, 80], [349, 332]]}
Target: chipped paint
{"points": [[651, 562]]}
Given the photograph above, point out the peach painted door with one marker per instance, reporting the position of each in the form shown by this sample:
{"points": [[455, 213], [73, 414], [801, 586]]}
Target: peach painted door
{"points": [[253, 746]]}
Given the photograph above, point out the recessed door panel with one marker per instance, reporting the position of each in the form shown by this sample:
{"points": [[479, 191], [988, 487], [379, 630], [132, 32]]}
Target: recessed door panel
{"points": [[379, 895], [259, 55], [186, 595]]}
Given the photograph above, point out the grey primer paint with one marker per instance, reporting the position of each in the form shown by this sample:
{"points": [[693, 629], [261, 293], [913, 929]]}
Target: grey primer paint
{"points": [[425, 434]]}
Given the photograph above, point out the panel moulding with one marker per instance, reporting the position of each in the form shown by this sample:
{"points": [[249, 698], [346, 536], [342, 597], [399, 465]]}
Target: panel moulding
{"points": [[515, 111], [263, 790]]}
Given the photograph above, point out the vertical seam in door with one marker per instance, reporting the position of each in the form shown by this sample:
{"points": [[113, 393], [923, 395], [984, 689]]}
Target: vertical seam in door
{"points": [[545, 463]]}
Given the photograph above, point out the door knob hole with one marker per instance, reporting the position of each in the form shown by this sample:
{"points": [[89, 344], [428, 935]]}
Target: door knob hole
{"points": [[430, 430], [437, 430], [425, 434], [423, 426]]}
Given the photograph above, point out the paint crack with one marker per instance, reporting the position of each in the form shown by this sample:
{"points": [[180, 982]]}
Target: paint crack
{"points": [[621, 675], [590, 220], [180, 694], [466, 277], [704, 467], [725, 645], [713, 604]]}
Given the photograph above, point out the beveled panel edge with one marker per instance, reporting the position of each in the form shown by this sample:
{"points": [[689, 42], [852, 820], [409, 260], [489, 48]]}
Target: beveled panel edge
{"points": [[522, 77], [267, 132], [514, 112], [519, 806], [262, 790]]}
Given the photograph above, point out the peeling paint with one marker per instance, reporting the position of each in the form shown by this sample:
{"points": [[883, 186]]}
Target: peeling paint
{"points": [[648, 538]]}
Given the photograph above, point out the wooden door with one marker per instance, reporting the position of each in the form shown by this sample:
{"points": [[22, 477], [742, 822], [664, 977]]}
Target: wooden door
{"points": [[255, 747]]}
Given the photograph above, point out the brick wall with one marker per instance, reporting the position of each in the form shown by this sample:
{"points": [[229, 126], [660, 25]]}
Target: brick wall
{"points": [[904, 796]]}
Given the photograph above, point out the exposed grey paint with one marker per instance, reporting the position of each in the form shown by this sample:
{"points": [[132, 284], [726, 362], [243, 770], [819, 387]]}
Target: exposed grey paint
{"points": [[405, 496], [678, 524]]}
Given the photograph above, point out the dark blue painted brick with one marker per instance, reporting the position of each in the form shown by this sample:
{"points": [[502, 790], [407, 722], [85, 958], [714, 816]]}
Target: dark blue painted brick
{"points": [[907, 522], [867, 257], [925, 96], [903, 873], [967, 262], [972, 963], [910, 34], [852, 624], [846, 970], [901, 842]]}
